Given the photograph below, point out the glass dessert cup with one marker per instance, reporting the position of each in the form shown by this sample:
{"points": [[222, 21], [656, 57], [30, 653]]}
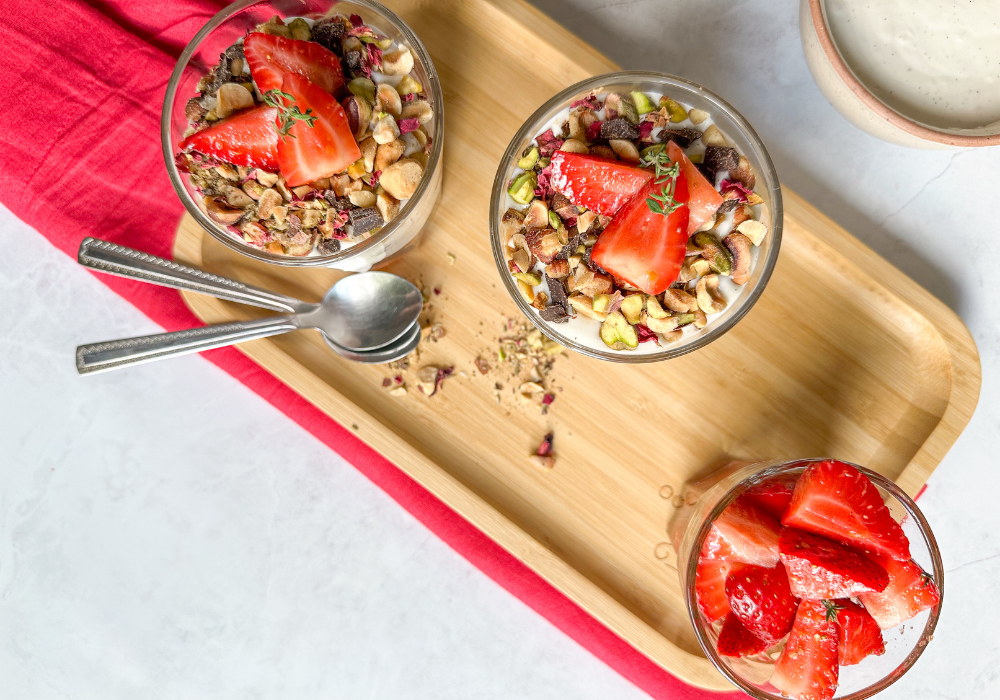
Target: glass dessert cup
{"points": [[202, 53], [742, 136], [903, 644]]}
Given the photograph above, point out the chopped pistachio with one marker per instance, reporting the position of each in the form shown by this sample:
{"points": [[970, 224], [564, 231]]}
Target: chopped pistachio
{"points": [[522, 190], [532, 278], [677, 113], [529, 159], [643, 105]]}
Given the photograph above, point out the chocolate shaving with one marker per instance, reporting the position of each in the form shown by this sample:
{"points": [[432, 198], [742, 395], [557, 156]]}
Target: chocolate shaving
{"points": [[554, 314], [592, 265], [682, 137], [353, 61], [619, 128], [718, 158]]}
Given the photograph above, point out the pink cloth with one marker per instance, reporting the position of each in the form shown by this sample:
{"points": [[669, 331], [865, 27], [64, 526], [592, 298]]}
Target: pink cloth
{"points": [[79, 128]]}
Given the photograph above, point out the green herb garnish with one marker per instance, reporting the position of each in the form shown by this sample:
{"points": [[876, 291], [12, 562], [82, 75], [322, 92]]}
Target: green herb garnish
{"points": [[666, 173], [831, 609], [288, 114]]}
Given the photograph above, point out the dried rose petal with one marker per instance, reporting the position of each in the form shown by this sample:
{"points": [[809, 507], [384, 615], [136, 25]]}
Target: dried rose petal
{"points": [[357, 21], [740, 190], [594, 130], [645, 129], [646, 335], [590, 101], [408, 125], [548, 399], [545, 448]]}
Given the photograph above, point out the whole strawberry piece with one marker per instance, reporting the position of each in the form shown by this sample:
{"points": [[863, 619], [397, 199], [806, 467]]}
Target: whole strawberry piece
{"points": [[762, 600], [807, 668], [819, 568], [859, 634], [909, 592], [737, 640], [837, 501]]}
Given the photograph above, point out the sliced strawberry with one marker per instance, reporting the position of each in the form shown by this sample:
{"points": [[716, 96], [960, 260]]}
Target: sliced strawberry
{"points": [[745, 534], [858, 633], [819, 568], [326, 147], [774, 495], [737, 640], [710, 587], [599, 184], [762, 600], [837, 501], [807, 668], [909, 592], [271, 57], [642, 247], [705, 200], [247, 138]]}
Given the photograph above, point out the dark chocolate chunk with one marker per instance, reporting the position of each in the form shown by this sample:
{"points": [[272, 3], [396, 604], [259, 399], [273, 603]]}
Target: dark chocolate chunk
{"points": [[338, 203], [193, 109], [329, 246], [329, 33], [557, 292], [721, 158], [576, 239], [555, 314], [682, 137], [353, 61], [619, 128], [365, 219]]}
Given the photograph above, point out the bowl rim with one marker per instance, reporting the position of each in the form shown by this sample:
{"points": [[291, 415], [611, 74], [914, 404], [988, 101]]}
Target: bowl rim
{"points": [[227, 238], [711, 332], [762, 471], [873, 103]]}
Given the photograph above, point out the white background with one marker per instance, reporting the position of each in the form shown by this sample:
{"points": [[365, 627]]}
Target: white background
{"points": [[165, 533]]}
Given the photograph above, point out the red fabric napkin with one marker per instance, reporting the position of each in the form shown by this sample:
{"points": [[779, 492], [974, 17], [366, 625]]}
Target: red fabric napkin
{"points": [[83, 85]]}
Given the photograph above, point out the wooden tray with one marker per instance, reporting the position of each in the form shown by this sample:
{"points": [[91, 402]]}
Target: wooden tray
{"points": [[843, 356]]}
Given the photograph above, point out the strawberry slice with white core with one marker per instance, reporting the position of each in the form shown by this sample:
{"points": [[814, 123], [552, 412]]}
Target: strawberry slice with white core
{"points": [[600, 184], [910, 591], [247, 138], [271, 57], [710, 587], [704, 199], [320, 149], [763, 601], [837, 501], [819, 568], [745, 534], [807, 668], [858, 633]]}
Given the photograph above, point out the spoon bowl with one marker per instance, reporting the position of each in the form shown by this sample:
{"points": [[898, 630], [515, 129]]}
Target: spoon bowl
{"points": [[396, 350]]}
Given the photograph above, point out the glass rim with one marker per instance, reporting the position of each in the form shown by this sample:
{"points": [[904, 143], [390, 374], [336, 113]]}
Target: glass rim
{"points": [[765, 470], [711, 332], [226, 237]]}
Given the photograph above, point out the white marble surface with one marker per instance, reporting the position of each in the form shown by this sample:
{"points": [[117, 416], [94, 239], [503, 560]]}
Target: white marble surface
{"points": [[242, 559]]}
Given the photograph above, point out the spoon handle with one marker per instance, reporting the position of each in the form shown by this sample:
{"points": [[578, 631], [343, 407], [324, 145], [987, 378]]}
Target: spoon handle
{"points": [[125, 262], [113, 354]]}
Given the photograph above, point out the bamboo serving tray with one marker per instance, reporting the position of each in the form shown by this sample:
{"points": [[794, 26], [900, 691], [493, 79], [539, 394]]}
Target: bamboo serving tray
{"points": [[842, 356]]}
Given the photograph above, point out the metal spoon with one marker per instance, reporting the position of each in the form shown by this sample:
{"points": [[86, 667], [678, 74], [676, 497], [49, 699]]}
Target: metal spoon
{"points": [[371, 311]]}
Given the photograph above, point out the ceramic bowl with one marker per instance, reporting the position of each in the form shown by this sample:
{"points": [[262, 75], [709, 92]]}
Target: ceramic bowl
{"points": [[860, 106]]}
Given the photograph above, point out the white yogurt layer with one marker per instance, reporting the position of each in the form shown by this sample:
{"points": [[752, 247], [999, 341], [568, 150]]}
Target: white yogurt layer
{"points": [[586, 331], [935, 61]]}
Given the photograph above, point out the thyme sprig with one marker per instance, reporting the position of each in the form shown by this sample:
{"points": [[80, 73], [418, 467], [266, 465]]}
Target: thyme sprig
{"points": [[832, 609], [665, 173], [288, 114]]}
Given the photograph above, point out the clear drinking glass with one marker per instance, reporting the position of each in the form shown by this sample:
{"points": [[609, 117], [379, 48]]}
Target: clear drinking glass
{"points": [[232, 23], [903, 644], [732, 124]]}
